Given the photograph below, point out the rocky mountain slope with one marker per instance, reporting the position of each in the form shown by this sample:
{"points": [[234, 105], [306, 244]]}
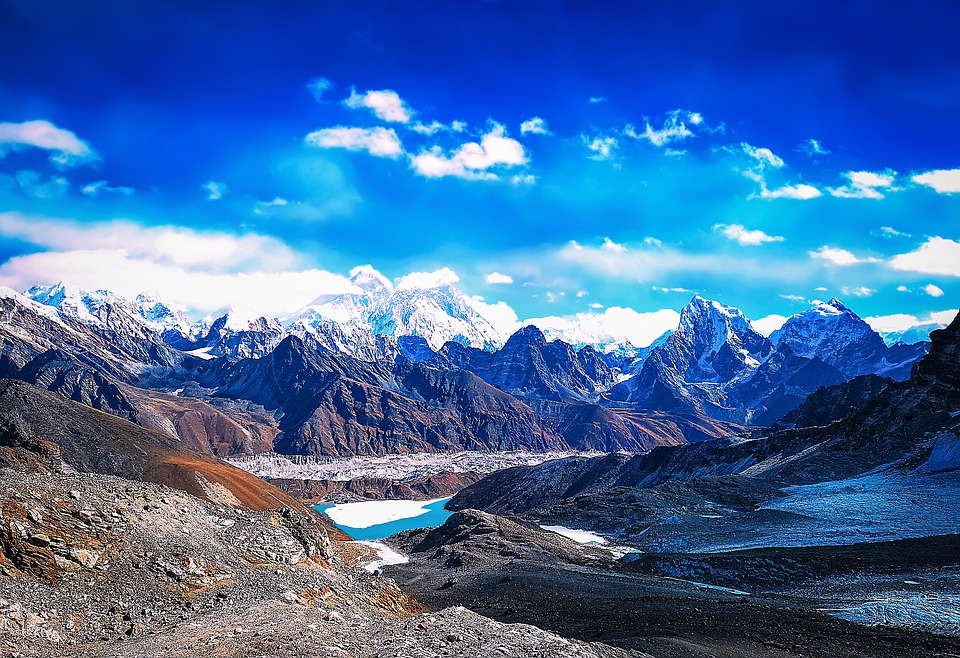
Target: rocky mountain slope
{"points": [[913, 423], [717, 365]]}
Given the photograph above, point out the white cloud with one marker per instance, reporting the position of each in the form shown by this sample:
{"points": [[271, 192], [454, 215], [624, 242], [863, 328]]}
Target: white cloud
{"points": [[435, 127], [500, 315], [614, 325], [865, 185], [859, 291], [472, 160], [841, 257], [215, 190], [673, 129], [935, 256], [764, 156], [385, 104], [597, 100], [900, 322], [820, 289], [800, 191], [903, 289], [524, 179], [766, 326], [30, 183], [744, 236], [932, 290], [201, 270], [535, 126], [318, 86], [684, 291], [889, 232], [601, 148], [381, 142], [813, 147], [497, 277], [95, 188], [610, 245], [793, 298], [944, 181], [427, 280], [68, 149]]}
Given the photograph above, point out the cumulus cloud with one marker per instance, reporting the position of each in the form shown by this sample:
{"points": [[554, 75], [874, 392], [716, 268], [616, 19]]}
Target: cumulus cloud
{"points": [[215, 190], [472, 160], [601, 148], [524, 179], [744, 236], [614, 325], [800, 191], [427, 280], [932, 290], [935, 256], [201, 270], [535, 126], [67, 149], [901, 322], [597, 100], [385, 104], [102, 186], [865, 185], [498, 278], [764, 157], [944, 181], [889, 232], [435, 127], [674, 128], [318, 87], [381, 142], [766, 326], [500, 315], [841, 257], [859, 291], [610, 245]]}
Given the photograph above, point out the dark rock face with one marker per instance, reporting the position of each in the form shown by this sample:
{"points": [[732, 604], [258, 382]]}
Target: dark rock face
{"points": [[898, 424], [831, 403], [528, 366], [716, 365]]}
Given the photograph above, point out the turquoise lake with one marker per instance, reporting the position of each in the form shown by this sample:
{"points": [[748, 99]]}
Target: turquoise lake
{"points": [[434, 516]]}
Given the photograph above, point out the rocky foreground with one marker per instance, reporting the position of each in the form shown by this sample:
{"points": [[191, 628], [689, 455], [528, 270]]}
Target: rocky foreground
{"points": [[93, 565]]}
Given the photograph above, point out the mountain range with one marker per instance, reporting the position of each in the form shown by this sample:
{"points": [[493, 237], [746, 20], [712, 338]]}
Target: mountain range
{"points": [[417, 367]]}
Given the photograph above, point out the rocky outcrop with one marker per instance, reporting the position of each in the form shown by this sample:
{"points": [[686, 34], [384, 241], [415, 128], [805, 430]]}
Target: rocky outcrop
{"points": [[529, 366]]}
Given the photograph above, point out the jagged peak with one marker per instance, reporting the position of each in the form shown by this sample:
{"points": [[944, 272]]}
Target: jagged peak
{"points": [[370, 280], [528, 334]]}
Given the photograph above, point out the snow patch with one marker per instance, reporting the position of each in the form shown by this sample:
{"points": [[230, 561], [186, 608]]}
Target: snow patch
{"points": [[579, 536], [385, 556]]}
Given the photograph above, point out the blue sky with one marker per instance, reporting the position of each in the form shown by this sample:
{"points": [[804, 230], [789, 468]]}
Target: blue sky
{"points": [[562, 158]]}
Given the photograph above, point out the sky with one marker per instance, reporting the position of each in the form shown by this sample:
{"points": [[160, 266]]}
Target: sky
{"points": [[557, 158]]}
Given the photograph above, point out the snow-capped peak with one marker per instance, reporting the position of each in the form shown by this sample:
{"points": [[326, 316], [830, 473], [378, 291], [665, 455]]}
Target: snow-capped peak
{"points": [[822, 329], [73, 302], [161, 315], [371, 282]]}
